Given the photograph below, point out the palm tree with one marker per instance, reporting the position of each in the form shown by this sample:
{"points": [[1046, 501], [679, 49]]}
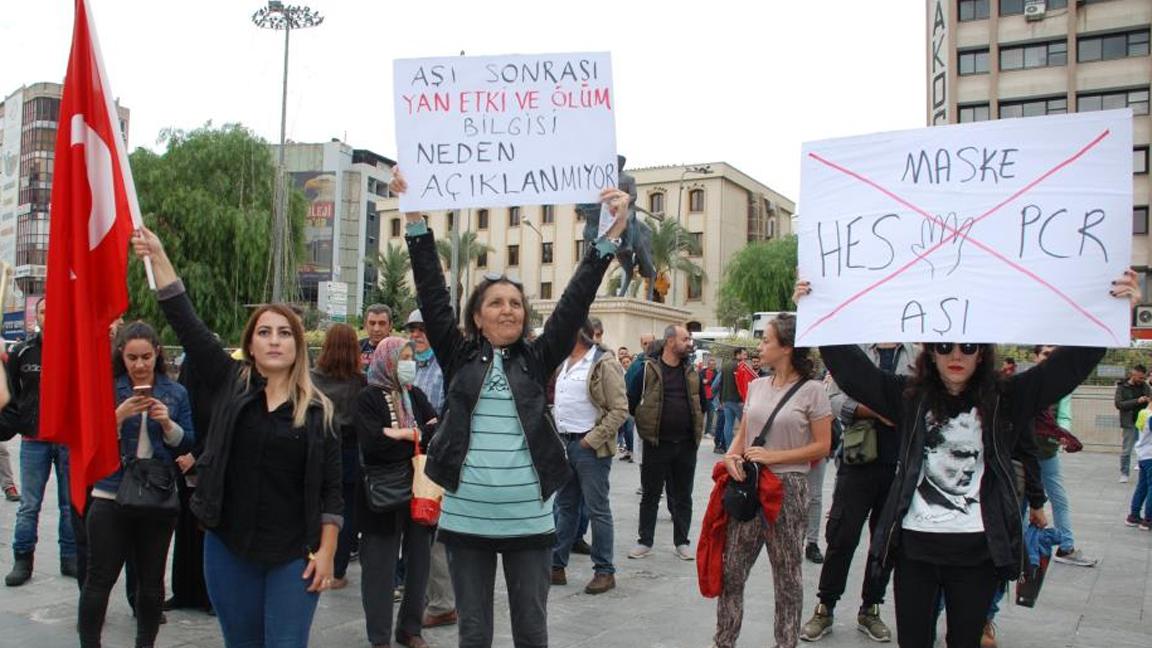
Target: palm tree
{"points": [[392, 286], [470, 250], [671, 246]]}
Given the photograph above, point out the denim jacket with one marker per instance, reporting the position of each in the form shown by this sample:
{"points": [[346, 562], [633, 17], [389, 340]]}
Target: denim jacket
{"points": [[173, 395]]}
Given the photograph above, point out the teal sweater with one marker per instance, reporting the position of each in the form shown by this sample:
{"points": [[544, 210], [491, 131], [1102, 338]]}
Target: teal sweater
{"points": [[499, 493]]}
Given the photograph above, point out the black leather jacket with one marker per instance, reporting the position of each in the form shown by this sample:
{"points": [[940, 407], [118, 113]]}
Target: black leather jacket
{"points": [[1007, 435], [528, 365]]}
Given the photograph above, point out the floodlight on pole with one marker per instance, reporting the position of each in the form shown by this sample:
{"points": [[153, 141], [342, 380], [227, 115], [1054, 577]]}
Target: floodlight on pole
{"points": [[279, 16]]}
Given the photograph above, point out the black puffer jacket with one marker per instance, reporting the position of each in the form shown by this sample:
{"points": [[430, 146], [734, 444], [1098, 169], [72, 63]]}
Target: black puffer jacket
{"points": [[528, 365], [1007, 435]]}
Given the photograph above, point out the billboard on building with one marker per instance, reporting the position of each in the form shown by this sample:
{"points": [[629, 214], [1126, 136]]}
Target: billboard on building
{"points": [[319, 188]]}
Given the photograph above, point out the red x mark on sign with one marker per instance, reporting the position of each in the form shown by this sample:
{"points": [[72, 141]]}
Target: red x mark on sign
{"points": [[962, 232]]}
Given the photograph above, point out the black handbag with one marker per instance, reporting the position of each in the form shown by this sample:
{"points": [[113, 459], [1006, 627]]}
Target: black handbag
{"points": [[742, 498], [149, 487], [387, 487]]}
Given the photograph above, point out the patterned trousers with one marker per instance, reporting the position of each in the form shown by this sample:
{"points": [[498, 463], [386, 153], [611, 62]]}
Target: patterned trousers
{"points": [[785, 543]]}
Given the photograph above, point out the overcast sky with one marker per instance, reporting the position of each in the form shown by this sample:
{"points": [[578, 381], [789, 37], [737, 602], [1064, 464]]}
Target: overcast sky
{"points": [[740, 82]]}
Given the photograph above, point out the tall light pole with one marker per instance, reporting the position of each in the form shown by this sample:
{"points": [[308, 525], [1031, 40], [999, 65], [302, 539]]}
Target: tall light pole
{"points": [[532, 226], [278, 15], [703, 169]]}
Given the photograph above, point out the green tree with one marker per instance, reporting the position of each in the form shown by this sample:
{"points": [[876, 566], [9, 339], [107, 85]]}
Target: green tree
{"points": [[209, 198], [671, 246], [470, 250], [761, 277], [392, 288]]}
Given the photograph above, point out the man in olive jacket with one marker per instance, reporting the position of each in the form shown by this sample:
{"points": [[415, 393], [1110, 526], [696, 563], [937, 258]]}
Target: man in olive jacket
{"points": [[666, 400], [590, 405], [1131, 396]]}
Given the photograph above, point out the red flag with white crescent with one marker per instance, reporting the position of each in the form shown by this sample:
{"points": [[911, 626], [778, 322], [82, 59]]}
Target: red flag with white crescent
{"points": [[93, 214]]}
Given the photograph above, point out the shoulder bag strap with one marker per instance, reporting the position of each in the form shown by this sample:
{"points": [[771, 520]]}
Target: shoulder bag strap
{"points": [[759, 441]]}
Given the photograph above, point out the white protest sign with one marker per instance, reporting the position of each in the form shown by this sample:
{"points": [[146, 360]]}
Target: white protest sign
{"points": [[1001, 231], [496, 131]]}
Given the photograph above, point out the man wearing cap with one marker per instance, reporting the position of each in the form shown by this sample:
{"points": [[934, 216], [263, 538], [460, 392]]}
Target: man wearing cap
{"points": [[441, 607]]}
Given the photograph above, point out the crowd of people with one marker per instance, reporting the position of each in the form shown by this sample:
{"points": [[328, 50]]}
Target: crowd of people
{"points": [[283, 471]]}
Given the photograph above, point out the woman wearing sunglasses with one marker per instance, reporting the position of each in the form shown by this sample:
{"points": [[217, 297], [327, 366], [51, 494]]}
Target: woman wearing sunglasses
{"points": [[951, 524], [496, 450]]}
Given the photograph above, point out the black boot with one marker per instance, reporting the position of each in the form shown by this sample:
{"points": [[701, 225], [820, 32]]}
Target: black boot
{"points": [[68, 567], [21, 571]]}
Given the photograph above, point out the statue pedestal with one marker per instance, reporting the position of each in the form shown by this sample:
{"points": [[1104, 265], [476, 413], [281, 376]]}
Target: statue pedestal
{"points": [[626, 318]]}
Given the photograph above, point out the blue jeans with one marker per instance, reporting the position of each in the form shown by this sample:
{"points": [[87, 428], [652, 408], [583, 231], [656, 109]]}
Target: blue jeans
{"points": [[1054, 486], [36, 461], [590, 482], [1143, 493], [627, 434], [732, 413], [258, 606]]}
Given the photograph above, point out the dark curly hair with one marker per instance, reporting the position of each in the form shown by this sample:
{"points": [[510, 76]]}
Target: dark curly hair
{"points": [[980, 390], [784, 326]]}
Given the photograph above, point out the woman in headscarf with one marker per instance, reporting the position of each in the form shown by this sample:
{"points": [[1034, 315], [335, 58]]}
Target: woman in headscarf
{"points": [[393, 417]]}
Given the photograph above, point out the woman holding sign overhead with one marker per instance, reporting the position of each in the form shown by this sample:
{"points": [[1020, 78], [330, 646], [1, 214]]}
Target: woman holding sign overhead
{"points": [[951, 524], [497, 452]]}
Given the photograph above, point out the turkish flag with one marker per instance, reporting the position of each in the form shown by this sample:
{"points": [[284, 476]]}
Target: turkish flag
{"points": [[93, 214]]}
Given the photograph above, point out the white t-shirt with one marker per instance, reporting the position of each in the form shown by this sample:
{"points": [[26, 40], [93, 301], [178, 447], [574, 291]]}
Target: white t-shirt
{"points": [[573, 407], [947, 497]]}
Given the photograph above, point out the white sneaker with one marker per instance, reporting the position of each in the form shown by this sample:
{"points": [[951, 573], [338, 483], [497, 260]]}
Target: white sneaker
{"points": [[1123, 479], [639, 551], [684, 552]]}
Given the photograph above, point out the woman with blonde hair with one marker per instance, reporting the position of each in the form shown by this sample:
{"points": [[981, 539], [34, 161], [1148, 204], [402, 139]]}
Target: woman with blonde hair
{"points": [[269, 477]]}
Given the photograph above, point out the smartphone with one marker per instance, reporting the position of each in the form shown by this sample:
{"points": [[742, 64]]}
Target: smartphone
{"points": [[144, 391]]}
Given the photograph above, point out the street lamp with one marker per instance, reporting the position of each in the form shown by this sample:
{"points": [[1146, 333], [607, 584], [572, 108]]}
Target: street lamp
{"points": [[703, 169], [277, 15], [525, 221]]}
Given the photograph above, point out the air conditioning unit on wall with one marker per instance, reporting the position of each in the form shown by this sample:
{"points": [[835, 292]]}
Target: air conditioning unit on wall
{"points": [[1144, 317], [1035, 9]]}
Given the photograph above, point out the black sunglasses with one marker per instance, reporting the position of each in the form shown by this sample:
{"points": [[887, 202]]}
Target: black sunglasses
{"points": [[945, 348], [497, 276]]}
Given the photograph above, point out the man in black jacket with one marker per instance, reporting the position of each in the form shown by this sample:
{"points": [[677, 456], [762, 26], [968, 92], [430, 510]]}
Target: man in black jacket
{"points": [[37, 458], [1131, 396]]}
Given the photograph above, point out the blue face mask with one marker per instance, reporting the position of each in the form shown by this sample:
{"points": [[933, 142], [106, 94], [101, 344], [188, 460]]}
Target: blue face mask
{"points": [[406, 371]]}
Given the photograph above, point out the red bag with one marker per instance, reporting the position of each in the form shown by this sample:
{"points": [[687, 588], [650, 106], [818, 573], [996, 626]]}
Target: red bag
{"points": [[426, 494]]}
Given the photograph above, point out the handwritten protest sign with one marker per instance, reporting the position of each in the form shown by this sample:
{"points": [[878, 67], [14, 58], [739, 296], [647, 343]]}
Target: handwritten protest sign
{"points": [[505, 130], [1002, 231]]}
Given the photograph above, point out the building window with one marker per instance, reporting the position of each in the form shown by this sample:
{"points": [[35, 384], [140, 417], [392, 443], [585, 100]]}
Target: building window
{"points": [[696, 200], [1112, 46], [1140, 160], [451, 221], [545, 290], [42, 109], [513, 217], [771, 228], [513, 255], [695, 287], [1016, 7], [1034, 55], [482, 259], [656, 202], [974, 62], [974, 113], [973, 10], [395, 227], [546, 252], [696, 241], [1033, 107], [1137, 100], [548, 214], [1139, 220], [581, 247], [482, 219]]}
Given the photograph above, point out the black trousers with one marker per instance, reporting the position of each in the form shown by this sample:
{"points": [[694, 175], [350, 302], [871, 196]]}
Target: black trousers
{"points": [[526, 576], [113, 538], [378, 557], [188, 589], [967, 594], [674, 462], [859, 497]]}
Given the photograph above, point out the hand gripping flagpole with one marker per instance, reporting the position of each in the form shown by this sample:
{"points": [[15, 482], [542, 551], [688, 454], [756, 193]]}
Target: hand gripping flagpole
{"points": [[148, 264]]}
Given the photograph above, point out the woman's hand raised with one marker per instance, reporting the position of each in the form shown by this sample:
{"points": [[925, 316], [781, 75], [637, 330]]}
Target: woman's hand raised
{"points": [[617, 202], [1127, 286], [398, 185], [802, 289]]}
